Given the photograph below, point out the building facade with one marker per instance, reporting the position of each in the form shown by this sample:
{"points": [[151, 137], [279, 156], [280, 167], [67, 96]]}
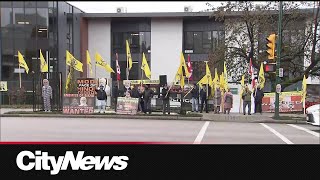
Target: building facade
{"points": [[28, 26], [56, 26]]}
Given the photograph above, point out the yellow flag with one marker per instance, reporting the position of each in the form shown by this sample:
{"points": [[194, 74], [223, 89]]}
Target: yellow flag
{"points": [[242, 85], [68, 80], [145, 66], [129, 57], [100, 62], [43, 64], [261, 78], [184, 65], [22, 62], [179, 76], [77, 65], [89, 62], [208, 74], [304, 88], [225, 76]]}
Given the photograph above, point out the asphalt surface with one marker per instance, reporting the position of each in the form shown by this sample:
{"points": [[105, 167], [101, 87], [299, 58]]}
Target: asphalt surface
{"points": [[21, 129]]}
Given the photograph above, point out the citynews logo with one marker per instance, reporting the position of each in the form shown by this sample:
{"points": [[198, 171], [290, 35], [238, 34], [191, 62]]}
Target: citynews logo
{"points": [[42, 161]]}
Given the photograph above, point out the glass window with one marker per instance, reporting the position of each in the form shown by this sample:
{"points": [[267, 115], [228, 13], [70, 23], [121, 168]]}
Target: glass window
{"points": [[118, 42], [6, 17], [215, 40], [221, 37], [18, 16], [42, 18], [145, 42], [30, 4], [188, 40], [6, 4], [30, 16], [206, 41], [197, 44], [43, 4], [134, 42], [17, 4]]}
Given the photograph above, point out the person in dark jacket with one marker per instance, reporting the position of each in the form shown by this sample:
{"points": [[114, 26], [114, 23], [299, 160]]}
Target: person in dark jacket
{"points": [[204, 98], [165, 99], [135, 94], [258, 100], [195, 98], [147, 95]]}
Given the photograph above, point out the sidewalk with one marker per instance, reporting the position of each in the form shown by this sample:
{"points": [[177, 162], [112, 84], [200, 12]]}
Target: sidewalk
{"points": [[232, 117]]}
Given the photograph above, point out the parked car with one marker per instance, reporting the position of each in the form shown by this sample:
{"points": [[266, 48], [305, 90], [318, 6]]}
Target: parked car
{"points": [[313, 115]]}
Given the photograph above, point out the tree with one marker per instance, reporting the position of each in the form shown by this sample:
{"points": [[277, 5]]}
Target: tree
{"points": [[247, 25]]}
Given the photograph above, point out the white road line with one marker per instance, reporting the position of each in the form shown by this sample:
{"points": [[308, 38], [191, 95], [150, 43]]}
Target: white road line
{"points": [[201, 133], [277, 134], [306, 130]]}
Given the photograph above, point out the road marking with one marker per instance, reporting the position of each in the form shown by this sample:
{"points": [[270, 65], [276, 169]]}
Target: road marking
{"points": [[277, 134], [306, 130], [201, 133]]}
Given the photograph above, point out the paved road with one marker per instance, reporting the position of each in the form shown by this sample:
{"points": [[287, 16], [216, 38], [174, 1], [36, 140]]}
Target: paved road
{"points": [[176, 131]]}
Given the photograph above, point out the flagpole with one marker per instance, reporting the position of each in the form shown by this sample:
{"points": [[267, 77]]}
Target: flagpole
{"points": [[19, 76]]}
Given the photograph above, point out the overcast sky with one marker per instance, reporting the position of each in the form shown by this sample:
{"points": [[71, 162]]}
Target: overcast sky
{"points": [[140, 6]]}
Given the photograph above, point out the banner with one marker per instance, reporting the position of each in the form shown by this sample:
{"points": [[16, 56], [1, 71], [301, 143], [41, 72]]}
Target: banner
{"points": [[83, 102], [288, 102], [3, 86], [127, 105]]}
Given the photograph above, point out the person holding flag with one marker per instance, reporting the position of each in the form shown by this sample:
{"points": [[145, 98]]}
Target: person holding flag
{"points": [[258, 93]]}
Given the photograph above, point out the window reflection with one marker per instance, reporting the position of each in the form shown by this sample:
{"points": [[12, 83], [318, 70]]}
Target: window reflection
{"points": [[6, 17], [202, 42], [138, 42]]}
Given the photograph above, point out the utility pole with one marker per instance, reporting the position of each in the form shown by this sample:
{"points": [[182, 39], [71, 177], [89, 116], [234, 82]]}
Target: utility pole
{"points": [[276, 112]]}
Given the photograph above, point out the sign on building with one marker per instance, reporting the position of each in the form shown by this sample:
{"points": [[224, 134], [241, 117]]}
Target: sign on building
{"points": [[3, 86]]}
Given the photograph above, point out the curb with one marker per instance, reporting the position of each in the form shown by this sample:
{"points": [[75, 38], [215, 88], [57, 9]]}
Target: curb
{"points": [[173, 117], [104, 116]]}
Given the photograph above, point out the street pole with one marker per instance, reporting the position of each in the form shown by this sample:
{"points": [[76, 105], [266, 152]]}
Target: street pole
{"points": [[276, 112]]}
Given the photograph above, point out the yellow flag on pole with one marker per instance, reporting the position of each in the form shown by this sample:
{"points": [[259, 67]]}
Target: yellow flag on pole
{"points": [[89, 62], [43, 64], [179, 76], [145, 66], [129, 57], [261, 78], [184, 65], [22, 62], [100, 62], [68, 80], [76, 65]]}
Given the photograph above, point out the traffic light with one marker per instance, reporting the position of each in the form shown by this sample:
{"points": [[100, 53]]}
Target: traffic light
{"points": [[270, 68], [271, 46]]}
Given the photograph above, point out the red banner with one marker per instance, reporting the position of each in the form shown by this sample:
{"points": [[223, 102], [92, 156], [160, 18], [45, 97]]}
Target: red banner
{"points": [[288, 102]]}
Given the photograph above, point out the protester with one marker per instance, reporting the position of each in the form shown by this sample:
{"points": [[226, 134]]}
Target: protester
{"points": [[165, 99], [46, 95], [217, 100], [136, 94], [147, 95], [258, 95], [228, 102], [246, 96], [204, 98], [141, 90], [102, 97], [195, 98]]}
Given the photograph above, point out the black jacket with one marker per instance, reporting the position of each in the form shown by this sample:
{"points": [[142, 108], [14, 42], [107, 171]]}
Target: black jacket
{"points": [[147, 94], [195, 92], [258, 96], [164, 93], [203, 94], [135, 93]]}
